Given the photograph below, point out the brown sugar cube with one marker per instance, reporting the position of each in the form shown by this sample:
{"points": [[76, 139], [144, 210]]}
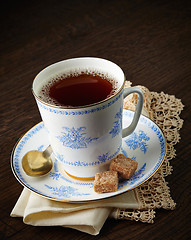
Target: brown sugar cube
{"points": [[124, 166], [106, 182]]}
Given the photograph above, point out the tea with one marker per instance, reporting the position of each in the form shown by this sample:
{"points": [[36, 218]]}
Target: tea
{"points": [[78, 90]]}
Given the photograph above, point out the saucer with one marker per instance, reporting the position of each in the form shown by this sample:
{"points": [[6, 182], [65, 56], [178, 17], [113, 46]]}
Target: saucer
{"points": [[146, 145]]}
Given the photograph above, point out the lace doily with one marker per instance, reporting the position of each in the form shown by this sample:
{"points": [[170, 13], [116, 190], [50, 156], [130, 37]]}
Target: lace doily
{"points": [[164, 110]]}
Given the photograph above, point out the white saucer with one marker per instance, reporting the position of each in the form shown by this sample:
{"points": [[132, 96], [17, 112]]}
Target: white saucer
{"points": [[146, 145]]}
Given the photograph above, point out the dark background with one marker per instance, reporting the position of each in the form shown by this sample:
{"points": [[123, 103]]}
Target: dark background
{"points": [[149, 40]]}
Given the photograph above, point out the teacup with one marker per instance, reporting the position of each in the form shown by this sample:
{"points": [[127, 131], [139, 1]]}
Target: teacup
{"points": [[85, 138]]}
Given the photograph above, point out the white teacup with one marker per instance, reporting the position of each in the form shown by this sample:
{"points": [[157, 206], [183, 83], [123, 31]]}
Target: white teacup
{"points": [[85, 139]]}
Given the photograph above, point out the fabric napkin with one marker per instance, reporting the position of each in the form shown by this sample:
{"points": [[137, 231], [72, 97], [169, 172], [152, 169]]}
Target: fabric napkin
{"points": [[138, 204], [86, 217]]}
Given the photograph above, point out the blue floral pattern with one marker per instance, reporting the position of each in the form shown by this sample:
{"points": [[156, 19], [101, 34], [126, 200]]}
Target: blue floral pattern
{"points": [[55, 175], [101, 159], [117, 124], [40, 148], [138, 140], [75, 138], [65, 191], [60, 157]]}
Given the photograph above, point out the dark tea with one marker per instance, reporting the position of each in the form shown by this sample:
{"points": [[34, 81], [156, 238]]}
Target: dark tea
{"points": [[78, 90]]}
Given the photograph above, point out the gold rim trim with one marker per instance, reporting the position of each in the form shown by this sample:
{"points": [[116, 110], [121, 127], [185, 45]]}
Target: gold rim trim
{"points": [[80, 178], [83, 201]]}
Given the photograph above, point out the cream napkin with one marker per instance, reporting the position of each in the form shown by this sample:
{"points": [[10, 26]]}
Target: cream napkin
{"points": [[86, 217]]}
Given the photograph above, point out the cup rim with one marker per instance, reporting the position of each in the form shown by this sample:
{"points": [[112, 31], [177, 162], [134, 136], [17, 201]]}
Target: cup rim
{"points": [[83, 106]]}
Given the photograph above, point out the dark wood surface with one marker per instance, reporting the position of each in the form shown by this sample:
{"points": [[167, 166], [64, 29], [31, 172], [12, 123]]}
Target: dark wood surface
{"points": [[150, 40]]}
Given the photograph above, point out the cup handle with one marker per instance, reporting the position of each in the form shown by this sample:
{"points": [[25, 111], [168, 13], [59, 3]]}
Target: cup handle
{"points": [[127, 131]]}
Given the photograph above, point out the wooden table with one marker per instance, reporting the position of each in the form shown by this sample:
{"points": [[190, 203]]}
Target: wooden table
{"points": [[150, 40]]}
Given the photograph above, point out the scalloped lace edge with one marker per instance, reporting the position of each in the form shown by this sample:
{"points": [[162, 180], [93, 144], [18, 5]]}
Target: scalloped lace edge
{"points": [[164, 110]]}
